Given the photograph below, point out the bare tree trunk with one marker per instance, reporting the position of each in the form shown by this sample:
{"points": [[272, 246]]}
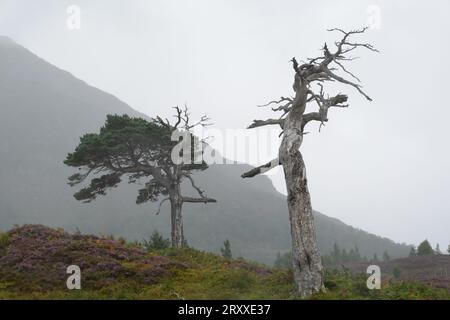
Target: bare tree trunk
{"points": [[176, 204], [307, 265]]}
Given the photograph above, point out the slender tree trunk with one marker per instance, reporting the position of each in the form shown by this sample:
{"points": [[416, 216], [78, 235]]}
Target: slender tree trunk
{"points": [[307, 265], [176, 204]]}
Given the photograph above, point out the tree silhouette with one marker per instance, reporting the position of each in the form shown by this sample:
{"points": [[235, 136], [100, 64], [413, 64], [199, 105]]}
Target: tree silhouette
{"points": [[424, 248], [437, 250], [226, 249]]}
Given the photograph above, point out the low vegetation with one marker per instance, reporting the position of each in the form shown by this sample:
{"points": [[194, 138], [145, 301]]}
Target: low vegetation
{"points": [[34, 258]]}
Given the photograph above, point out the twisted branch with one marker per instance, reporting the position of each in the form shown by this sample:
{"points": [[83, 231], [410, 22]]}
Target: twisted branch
{"points": [[315, 70]]}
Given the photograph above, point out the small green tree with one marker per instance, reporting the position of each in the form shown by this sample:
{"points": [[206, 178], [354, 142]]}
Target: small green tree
{"points": [[386, 256], [226, 249], [336, 254], [357, 254], [156, 242], [424, 249], [283, 261], [396, 272], [375, 257], [412, 252]]}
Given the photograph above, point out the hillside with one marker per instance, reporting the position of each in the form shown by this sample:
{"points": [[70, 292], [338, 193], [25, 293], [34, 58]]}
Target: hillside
{"points": [[431, 269], [44, 111], [34, 258]]}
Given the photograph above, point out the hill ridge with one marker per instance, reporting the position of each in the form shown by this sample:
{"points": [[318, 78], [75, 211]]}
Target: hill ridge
{"points": [[34, 260]]}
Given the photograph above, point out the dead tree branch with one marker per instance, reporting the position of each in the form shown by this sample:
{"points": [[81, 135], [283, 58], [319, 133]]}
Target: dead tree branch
{"points": [[261, 169], [160, 204], [198, 200], [260, 123]]}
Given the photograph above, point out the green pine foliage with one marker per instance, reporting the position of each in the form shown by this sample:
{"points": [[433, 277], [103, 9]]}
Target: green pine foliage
{"points": [[156, 242], [396, 272], [126, 147], [112, 149], [226, 249], [424, 249]]}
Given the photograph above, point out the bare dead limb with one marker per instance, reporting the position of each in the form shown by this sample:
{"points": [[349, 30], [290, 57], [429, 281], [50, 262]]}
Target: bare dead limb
{"points": [[325, 104], [282, 99], [199, 191], [183, 120], [346, 71], [260, 123], [160, 204], [342, 80], [199, 200], [261, 169]]}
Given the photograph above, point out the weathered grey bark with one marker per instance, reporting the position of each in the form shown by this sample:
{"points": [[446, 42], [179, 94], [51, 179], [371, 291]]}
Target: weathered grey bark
{"points": [[176, 204], [307, 265], [306, 261]]}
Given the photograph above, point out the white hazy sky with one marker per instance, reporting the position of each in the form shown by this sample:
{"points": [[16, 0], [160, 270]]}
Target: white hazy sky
{"points": [[382, 166]]}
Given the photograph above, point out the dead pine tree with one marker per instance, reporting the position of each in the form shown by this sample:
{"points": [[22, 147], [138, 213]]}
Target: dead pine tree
{"points": [[308, 88]]}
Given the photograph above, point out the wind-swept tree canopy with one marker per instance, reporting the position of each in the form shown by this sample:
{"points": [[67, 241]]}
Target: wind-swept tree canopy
{"points": [[124, 146], [135, 149]]}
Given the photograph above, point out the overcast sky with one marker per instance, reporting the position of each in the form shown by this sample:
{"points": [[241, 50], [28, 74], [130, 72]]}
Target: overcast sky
{"points": [[382, 166]]}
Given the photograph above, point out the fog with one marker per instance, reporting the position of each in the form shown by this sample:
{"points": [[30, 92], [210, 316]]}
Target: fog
{"points": [[382, 166]]}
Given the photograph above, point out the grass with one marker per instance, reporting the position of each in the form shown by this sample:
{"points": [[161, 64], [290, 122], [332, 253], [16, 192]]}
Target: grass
{"points": [[4, 241], [113, 269]]}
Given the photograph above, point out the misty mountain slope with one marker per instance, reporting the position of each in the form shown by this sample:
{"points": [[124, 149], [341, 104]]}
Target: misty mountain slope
{"points": [[44, 111]]}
